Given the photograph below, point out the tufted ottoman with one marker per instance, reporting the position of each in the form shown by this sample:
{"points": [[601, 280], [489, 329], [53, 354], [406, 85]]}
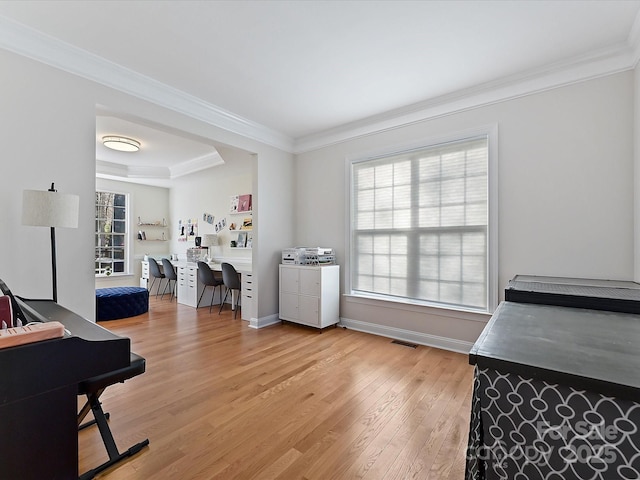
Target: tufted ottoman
{"points": [[121, 302]]}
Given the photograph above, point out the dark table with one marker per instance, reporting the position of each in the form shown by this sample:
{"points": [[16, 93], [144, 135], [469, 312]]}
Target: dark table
{"points": [[556, 394], [611, 295]]}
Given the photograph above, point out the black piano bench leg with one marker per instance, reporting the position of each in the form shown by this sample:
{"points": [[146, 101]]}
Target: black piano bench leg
{"points": [[107, 437], [92, 422]]}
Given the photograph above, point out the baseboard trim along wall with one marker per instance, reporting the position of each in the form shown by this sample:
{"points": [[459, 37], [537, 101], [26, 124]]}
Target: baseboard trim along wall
{"points": [[264, 321], [444, 343]]}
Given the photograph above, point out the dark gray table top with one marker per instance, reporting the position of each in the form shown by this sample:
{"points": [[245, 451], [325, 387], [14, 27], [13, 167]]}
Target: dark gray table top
{"points": [[577, 286], [592, 349]]}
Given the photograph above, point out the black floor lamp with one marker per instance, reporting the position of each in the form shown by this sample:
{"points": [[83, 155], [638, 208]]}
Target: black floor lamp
{"points": [[50, 209]]}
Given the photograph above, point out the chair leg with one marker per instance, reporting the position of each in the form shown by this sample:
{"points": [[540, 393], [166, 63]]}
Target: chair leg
{"points": [[152, 282], [198, 304], [235, 315], [213, 296], [171, 290], [223, 300], [159, 285], [165, 288]]}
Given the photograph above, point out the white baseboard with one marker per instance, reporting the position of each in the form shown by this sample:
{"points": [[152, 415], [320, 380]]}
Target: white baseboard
{"points": [[264, 321], [444, 343]]}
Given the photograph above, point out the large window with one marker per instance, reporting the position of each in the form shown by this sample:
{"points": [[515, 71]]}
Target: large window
{"points": [[111, 233], [420, 225]]}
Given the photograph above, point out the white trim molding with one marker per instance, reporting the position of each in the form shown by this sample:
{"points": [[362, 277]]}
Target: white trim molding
{"points": [[451, 344], [31, 43], [601, 63], [264, 321], [18, 38]]}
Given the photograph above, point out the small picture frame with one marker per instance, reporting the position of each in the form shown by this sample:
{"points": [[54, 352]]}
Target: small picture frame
{"points": [[244, 203], [242, 239], [233, 208]]}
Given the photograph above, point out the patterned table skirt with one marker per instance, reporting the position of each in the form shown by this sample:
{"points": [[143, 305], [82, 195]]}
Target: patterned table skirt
{"points": [[524, 429]]}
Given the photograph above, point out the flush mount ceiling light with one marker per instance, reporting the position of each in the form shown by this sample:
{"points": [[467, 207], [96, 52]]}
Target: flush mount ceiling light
{"points": [[122, 144]]}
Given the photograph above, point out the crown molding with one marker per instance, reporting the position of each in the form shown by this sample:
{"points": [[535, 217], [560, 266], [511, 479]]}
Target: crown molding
{"points": [[596, 64], [123, 172], [38, 46], [28, 42], [196, 164]]}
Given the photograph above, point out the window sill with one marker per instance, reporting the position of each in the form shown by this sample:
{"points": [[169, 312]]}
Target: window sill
{"points": [[422, 307], [115, 275]]}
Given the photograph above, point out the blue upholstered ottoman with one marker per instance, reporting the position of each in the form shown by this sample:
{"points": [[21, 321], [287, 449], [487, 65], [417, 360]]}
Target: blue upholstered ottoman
{"points": [[121, 302]]}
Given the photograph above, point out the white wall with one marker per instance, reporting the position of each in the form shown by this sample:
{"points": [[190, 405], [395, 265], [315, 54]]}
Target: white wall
{"points": [[565, 196], [636, 170], [273, 225], [40, 106], [150, 204], [209, 191]]}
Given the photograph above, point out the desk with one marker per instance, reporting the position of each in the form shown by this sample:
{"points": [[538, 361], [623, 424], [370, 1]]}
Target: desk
{"points": [[189, 287], [556, 393]]}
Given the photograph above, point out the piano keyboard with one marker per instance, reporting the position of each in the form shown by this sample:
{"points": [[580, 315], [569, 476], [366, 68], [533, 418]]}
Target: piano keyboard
{"points": [[35, 332]]}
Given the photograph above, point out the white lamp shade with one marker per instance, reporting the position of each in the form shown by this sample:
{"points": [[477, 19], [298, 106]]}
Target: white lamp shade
{"points": [[210, 240], [50, 209]]}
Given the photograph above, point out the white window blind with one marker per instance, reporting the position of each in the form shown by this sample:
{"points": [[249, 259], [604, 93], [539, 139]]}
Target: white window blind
{"points": [[419, 225]]}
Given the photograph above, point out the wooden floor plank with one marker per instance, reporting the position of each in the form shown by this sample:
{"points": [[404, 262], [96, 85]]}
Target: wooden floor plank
{"points": [[221, 400]]}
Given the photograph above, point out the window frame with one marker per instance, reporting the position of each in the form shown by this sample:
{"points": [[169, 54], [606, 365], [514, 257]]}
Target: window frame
{"points": [[491, 133], [126, 235]]}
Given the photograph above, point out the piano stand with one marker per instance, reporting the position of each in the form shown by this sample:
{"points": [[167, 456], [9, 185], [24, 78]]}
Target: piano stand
{"points": [[93, 388]]}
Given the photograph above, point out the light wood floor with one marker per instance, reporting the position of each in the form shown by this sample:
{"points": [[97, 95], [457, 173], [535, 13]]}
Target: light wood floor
{"points": [[220, 400]]}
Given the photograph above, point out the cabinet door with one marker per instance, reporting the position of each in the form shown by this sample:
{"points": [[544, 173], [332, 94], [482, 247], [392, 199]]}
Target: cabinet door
{"points": [[308, 310], [309, 281], [289, 306], [289, 279]]}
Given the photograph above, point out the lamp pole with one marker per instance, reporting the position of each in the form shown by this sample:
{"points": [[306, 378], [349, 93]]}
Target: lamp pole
{"points": [[54, 271]]}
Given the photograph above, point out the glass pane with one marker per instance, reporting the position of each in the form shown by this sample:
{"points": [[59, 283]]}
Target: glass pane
{"points": [[119, 226], [428, 206], [110, 231], [119, 200], [402, 218], [119, 213], [384, 176]]}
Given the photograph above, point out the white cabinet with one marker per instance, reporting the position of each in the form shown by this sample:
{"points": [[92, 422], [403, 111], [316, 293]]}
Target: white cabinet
{"points": [[310, 295], [145, 270], [247, 303], [187, 290]]}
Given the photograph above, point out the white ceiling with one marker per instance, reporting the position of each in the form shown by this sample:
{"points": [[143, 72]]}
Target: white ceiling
{"points": [[163, 154], [303, 69]]}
